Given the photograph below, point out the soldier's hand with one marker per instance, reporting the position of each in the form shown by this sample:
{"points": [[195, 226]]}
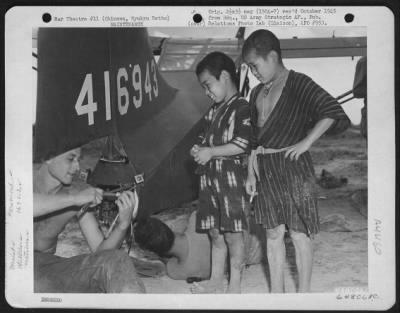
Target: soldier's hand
{"points": [[127, 203], [90, 195]]}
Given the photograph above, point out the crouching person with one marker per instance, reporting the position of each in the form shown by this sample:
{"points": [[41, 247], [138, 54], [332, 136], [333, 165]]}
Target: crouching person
{"points": [[188, 254], [106, 269]]}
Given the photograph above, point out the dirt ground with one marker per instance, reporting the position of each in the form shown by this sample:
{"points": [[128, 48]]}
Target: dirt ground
{"points": [[340, 249]]}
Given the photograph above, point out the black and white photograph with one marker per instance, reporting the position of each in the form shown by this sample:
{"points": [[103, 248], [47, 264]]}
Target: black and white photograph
{"points": [[232, 151]]}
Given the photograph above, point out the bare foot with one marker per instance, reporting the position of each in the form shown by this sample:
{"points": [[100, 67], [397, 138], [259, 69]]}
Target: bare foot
{"points": [[209, 286]]}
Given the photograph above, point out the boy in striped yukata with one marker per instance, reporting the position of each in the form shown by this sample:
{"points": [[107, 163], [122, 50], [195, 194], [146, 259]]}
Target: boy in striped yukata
{"points": [[289, 112], [222, 208]]}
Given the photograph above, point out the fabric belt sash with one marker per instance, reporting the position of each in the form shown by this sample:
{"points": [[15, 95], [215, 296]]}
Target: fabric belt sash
{"points": [[262, 150]]}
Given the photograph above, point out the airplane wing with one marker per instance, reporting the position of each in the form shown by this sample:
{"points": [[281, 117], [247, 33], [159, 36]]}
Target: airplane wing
{"points": [[183, 54]]}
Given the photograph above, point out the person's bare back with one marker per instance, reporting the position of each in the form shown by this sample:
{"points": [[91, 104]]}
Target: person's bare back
{"points": [[197, 262]]}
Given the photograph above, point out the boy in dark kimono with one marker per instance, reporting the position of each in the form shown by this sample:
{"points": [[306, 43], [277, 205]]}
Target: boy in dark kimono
{"points": [[289, 112], [220, 154]]}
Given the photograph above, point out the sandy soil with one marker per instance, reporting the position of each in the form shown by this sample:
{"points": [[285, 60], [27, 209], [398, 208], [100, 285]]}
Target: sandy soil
{"points": [[341, 256]]}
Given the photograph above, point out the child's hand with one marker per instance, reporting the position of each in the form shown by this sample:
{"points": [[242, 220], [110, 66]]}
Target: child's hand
{"points": [[251, 185], [294, 152], [194, 150], [203, 155]]}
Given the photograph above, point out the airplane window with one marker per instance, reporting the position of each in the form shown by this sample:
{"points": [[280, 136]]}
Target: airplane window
{"points": [[184, 54], [177, 62], [183, 49]]}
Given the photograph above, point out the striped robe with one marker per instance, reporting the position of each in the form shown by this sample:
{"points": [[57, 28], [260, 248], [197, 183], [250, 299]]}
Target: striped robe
{"points": [[222, 201], [286, 193]]}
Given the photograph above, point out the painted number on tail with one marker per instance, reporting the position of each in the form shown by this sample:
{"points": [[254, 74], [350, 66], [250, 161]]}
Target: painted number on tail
{"points": [[146, 86], [90, 107]]}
